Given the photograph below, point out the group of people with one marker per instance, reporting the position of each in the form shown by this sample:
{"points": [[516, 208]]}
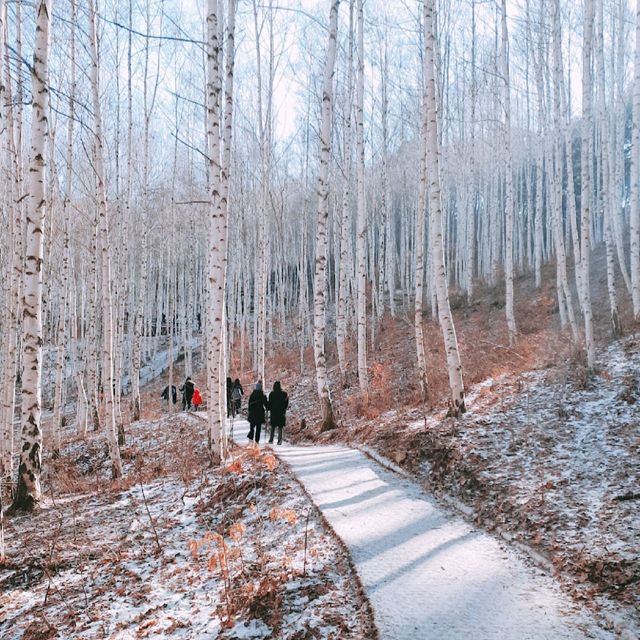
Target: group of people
{"points": [[259, 404], [276, 404], [191, 396]]}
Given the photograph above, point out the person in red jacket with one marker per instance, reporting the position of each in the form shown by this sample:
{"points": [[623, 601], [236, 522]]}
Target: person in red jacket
{"points": [[196, 401]]}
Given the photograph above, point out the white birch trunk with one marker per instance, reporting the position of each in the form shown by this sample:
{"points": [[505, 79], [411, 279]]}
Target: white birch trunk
{"points": [[10, 337], [419, 255], [28, 492], [216, 249], [634, 214], [585, 169], [508, 237], [604, 156], [58, 411], [320, 274], [345, 222], [105, 267], [454, 366], [361, 226], [564, 292], [221, 448]]}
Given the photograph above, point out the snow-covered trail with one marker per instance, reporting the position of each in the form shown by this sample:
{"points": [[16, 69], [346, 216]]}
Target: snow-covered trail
{"points": [[428, 574]]}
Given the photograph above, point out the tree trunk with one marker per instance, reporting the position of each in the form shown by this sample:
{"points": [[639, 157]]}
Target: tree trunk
{"points": [[564, 292], [15, 266], [454, 367], [508, 197], [320, 274], [345, 222], [361, 226], [585, 172], [216, 249], [105, 267], [28, 492], [634, 215]]}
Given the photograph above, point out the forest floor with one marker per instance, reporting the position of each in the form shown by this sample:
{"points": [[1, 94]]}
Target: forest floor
{"points": [[175, 549], [546, 458]]}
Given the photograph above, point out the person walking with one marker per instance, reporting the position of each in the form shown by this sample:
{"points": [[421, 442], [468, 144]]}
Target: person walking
{"points": [[187, 393], [258, 405], [229, 401], [197, 399], [236, 397], [174, 394], [278, 404]]}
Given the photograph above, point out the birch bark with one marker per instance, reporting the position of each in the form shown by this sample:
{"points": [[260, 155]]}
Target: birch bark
{"points": [[10, 342], [105, 267], [58, 411], [585, 172], [634, 214], [454, 366], [216, 241], [561, 258], [605, 172], [221, 448], [419, 254], [361, 227], [320, 273], [509, 208], [345, 222], [28, 492]]}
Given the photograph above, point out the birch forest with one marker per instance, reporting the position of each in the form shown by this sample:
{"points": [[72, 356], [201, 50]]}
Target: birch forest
{"points": [[212, 188]]}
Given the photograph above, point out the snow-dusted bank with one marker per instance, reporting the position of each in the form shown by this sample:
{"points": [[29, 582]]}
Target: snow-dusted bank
{"points": [[428, 574]]}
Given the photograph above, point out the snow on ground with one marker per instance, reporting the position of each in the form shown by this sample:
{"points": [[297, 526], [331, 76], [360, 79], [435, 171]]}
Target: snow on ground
{"points": [[175, 549], [550, 457], [426, 573]]}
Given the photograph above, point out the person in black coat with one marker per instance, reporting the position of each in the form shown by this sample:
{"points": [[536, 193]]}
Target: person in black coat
{"points": [[278, 404], [174, 394], [258, 405], [187, 393], [229, 390]]}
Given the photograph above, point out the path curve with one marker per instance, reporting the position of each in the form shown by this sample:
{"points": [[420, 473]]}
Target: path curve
{"points": [[428, 574]]}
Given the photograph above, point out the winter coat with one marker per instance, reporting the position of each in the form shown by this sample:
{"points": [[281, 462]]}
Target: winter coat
{"points": [[187, 390], [197, 398], [257, 406], [237, 392], [229, 388], [174, 393], [278, 403]]}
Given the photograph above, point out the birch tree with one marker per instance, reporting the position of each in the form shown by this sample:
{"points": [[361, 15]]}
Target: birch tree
{"points": [[361, 230], [223, 203], [454, 366], [345, 220], [419, 249], [28, 491], [508, 178], [564, 292], [217, 240], [105, 266], [320, 273], [634, 215], [14, 259], [58, 410], [585, 176]]}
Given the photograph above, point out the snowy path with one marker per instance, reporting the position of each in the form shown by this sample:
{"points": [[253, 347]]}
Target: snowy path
{"points": [[428, 574]]}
